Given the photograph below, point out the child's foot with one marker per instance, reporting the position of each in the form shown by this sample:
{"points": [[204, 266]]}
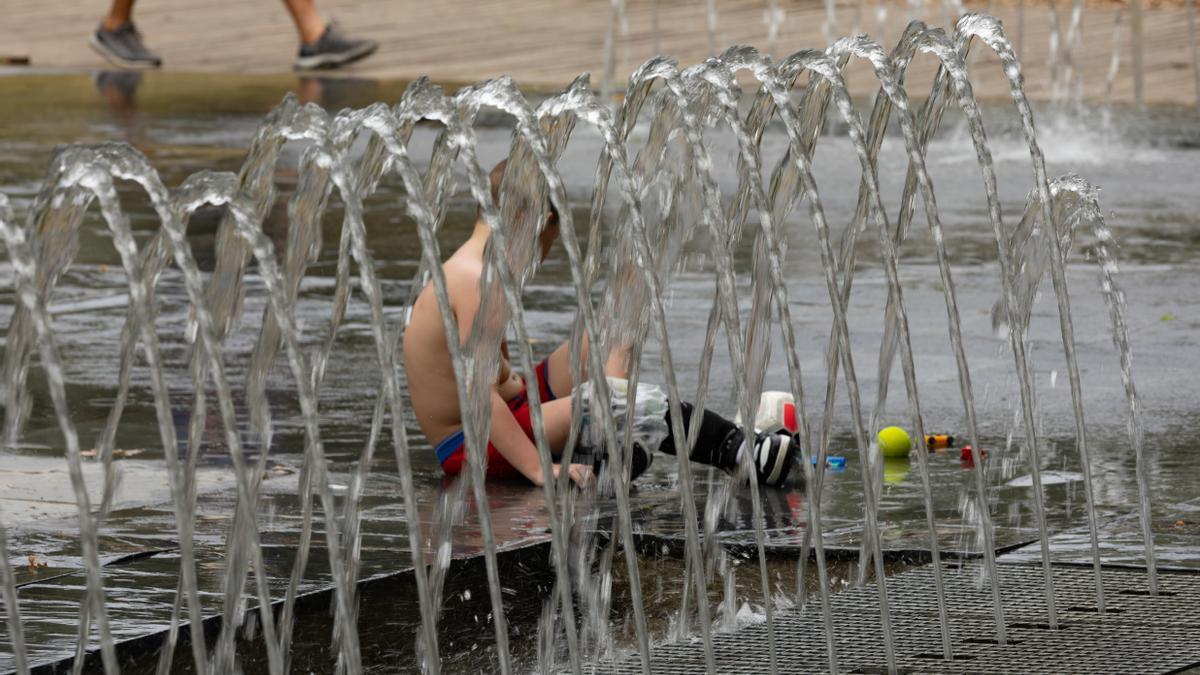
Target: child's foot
{"points": [[775, 443], [774, 455], [123, 47]]}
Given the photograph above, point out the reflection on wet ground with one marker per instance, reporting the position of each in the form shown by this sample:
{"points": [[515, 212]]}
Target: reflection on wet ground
{"points": [[1146, 165]]}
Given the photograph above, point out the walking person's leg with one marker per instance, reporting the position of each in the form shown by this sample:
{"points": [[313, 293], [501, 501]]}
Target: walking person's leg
{"points": [[322, 44], [120, 12], [309, 23], [118, 40]]}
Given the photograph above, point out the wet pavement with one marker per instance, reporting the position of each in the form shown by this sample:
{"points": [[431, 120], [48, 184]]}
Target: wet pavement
{"points": [[1176, 542], [1145, 164]]}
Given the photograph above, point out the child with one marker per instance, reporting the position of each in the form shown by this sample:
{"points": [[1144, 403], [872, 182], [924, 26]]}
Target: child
{"points": [[511, 450]]}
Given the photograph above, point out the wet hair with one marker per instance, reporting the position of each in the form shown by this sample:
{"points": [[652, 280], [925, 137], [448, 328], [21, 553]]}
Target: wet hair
{"points": [[496, 177]]}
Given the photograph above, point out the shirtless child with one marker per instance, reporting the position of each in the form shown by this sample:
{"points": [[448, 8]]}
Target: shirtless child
{"points": [[511, 450]]}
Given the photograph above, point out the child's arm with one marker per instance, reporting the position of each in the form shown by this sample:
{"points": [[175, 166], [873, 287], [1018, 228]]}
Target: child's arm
{"points": [[515, 446]]}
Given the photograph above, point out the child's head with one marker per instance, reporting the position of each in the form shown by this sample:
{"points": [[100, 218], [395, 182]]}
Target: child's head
{"points": [[548, 232]]}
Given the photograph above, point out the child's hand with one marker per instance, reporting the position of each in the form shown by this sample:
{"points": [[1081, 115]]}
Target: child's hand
{"points": [[580, 474]]}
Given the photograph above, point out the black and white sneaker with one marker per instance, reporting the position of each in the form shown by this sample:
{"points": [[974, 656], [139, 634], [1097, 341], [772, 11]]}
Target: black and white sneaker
{"points": [[333, 49], [774, 455], [123, 47]]}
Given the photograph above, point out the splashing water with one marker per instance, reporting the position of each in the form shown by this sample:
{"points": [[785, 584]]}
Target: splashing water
{"points": [[653, 192]]}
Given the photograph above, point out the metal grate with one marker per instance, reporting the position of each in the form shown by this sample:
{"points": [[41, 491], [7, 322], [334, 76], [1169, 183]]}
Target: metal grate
{"points": [[969, 595], [1146, 635]]}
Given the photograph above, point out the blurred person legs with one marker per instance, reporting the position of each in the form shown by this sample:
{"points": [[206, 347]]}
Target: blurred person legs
{"points": [[118, 40], [322, 44], [119, 90]]}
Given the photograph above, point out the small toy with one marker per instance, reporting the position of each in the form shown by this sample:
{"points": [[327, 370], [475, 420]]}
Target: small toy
{"points": [[894, 442], [835, 462], [938, 441], [968, 458]]}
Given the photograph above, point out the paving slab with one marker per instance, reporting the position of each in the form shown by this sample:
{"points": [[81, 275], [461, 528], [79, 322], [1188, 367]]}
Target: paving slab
{"points": [[1175, 527], [38, 487]]}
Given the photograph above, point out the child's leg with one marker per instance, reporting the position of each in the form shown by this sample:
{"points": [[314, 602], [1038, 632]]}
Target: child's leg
{"points": [[556, 418], [553, 380], [717, 443], [558, 367], [720, 442]]}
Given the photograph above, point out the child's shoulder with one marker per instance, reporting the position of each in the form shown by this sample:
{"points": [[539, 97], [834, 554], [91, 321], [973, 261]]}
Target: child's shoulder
{"points": [[463, 276], [461, 269]]}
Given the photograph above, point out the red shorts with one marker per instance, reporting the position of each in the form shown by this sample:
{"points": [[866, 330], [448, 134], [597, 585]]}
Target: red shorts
{"points": [[451, 451]]}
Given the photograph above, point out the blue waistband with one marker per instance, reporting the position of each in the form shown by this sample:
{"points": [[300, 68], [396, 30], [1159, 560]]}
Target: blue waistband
{"points": [[449, 445], [456, 440]]}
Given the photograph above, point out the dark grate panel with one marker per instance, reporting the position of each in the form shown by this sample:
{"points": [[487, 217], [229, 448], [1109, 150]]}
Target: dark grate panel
{"points": [[1022, 589], [1149, 634]]}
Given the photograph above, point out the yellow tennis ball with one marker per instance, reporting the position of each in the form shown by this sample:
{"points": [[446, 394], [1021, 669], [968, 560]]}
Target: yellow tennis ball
{"points": [[894, 442]]}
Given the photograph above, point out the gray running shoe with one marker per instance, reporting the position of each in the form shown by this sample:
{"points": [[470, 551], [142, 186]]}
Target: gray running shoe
{"points": [[123, 47], [333, 49]]}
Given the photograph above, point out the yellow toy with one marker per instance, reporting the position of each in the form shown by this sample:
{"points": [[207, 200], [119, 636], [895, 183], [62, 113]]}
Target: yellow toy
{"points": [[894, 442]]}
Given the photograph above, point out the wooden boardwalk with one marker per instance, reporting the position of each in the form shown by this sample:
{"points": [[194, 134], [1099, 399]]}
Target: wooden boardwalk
{"points": [[543, 44]]}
